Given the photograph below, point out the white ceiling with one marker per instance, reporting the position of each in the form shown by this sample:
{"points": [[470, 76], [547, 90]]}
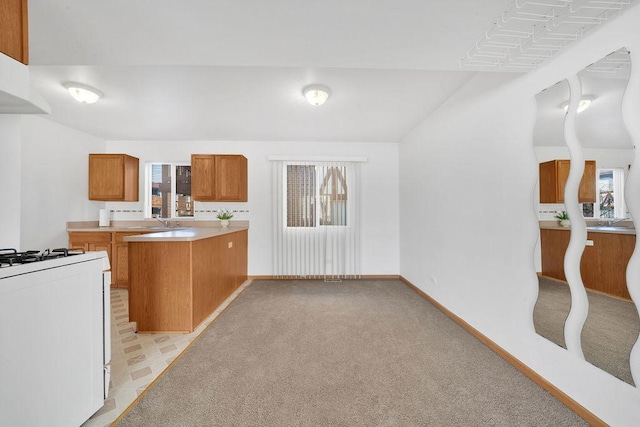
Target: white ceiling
{"points": [[234, 70], [601, 124]]}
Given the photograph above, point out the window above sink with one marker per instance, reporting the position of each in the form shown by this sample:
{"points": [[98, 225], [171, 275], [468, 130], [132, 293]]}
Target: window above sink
{"points": [[168, 190]]}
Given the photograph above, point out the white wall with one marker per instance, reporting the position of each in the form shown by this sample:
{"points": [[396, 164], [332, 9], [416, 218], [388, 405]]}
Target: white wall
{"points": [[54, 179], [10, 181], [469, 226], [380, 228]]}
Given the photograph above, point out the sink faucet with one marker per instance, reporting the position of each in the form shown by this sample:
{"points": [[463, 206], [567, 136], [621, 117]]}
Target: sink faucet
{"points": [[611, 221], [164, 222], [615, 220]]}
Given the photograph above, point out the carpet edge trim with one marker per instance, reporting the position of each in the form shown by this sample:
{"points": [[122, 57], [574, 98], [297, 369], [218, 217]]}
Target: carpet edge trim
{"points": [[569, 402], [141, 395]]}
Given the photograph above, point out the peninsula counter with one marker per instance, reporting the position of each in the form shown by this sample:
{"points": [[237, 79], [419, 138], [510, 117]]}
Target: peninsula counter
{"points": [[178, 278]]}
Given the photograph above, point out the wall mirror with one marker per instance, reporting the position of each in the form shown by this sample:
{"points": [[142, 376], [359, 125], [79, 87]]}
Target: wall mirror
{"points": [[554, 300], [612, 323]]}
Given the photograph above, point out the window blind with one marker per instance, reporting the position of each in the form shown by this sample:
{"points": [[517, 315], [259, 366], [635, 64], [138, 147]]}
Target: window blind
{"points": [[316, 219]]}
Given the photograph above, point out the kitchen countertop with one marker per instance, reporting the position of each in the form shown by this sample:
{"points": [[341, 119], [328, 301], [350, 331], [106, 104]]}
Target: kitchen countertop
{"points": [[145, 225], [156, 232], [124, 229], [626, 228], [187, 234]]}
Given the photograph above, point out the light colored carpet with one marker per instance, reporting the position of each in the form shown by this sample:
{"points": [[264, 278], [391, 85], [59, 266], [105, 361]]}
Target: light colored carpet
{"points": [[611, 329], [355, 353], [551, 309]]}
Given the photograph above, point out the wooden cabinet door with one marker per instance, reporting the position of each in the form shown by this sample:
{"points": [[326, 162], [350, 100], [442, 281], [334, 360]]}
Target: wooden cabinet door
{"points": [[562, 174], [590, 266], [548, 182], [15, 32], [203, 177], [553, 244], [75, 244], [553, 178], [120, 256], [120, 268], [231, 178], [219, 177], [587, 190], [92, 241], [106, 247], [604, 265], [113, 177]]}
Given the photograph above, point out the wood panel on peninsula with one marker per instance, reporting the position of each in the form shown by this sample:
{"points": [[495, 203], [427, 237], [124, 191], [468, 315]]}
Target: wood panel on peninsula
{"points": [[177, 280]]}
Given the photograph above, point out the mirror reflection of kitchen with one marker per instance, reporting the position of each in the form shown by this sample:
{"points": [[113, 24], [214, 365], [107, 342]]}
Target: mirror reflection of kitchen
{"points": [[612, 324], [554, 300]]}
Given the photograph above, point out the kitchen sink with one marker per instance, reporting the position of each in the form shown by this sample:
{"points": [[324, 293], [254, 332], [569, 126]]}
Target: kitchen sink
{"points": [[150, 227], [163, 228]]}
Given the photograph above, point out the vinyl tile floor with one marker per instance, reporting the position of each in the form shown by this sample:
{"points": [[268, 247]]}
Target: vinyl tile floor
{"points": [[138, 359]]}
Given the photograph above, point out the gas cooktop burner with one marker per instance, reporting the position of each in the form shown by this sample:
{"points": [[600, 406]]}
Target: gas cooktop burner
{"points": [[10, 257]]}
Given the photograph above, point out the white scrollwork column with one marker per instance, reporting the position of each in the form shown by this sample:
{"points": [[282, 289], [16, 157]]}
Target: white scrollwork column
{"points": [[579, 303], [630, 112]]}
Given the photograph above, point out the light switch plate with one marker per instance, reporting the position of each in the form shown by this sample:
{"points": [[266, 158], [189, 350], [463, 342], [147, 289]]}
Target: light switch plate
{"points": [[230, 244]]}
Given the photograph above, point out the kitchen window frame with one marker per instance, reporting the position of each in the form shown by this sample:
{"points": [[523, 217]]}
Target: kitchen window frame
{"points": [[318, 166], [148, 202]]}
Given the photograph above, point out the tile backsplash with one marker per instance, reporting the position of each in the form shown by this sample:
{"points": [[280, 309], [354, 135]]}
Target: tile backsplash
{"points": [[202, 211], [548, 212]]}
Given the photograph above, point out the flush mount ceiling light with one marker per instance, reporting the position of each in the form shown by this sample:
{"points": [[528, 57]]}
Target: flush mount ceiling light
{"points": [[582, 105], [316, 94], [83, 93]]}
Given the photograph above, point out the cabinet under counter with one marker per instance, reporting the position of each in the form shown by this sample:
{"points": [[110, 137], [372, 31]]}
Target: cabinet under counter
{"points": [[112, 242], [177, 280], [604, 260]]}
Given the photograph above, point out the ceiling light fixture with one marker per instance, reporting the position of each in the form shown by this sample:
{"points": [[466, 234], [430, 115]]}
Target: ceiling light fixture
{"points": [[83, 93], [316, 94], [582, 105]]}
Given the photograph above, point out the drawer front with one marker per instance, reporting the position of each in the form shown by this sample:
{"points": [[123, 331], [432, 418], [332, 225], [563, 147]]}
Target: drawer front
{"points": [[90, 236]]}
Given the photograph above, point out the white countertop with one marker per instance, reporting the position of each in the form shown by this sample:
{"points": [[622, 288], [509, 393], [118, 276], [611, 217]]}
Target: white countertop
{"points": [[147, 225], [123, 229], [553, 225], [186, 234]]}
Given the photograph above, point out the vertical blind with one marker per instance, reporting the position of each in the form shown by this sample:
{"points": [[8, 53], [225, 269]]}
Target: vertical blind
{"points": [[316, 219]]}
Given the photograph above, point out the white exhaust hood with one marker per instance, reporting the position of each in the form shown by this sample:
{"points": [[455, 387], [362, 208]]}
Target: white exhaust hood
{"points": [[16, 95]]}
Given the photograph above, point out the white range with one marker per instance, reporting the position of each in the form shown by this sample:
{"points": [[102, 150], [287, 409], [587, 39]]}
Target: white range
{"points": [[55, 345]]}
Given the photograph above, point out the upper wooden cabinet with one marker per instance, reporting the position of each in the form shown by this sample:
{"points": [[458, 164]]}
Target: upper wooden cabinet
{"points": [[553, 177], [203, 177], [113, 177], [219, 177], [14, 37]]}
